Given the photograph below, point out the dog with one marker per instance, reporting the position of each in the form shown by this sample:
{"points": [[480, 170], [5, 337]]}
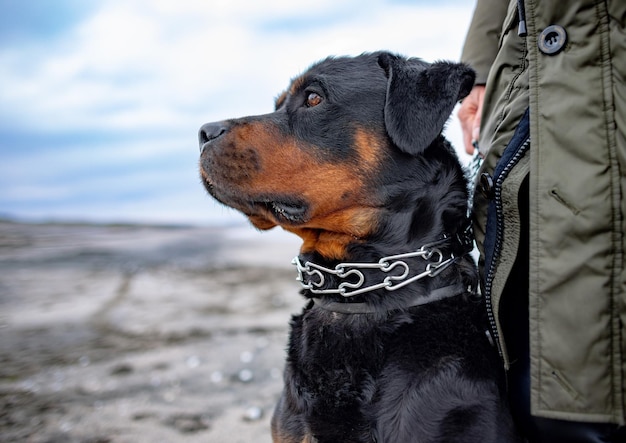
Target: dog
{"points": [[392, 344]]}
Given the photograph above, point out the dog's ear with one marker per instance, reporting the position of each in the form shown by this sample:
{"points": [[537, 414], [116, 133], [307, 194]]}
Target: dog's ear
{"points": [[420, 98]]}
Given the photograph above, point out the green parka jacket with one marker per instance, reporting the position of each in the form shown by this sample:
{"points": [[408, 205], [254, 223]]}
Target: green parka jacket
{"points": [[568, 71]]}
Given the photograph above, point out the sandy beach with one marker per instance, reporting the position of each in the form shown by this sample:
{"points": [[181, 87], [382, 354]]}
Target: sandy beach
{"points": [[141, 333]]}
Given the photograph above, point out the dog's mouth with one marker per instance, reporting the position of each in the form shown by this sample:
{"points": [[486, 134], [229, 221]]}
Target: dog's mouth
{"points": [[286, 211], [282, 209]]}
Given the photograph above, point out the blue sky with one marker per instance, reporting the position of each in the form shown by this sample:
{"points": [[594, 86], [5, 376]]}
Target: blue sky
{"points": [[100, 101]]}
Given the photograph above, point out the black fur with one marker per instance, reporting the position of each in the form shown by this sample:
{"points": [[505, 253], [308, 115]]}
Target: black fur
{"points": [[396, 374]]}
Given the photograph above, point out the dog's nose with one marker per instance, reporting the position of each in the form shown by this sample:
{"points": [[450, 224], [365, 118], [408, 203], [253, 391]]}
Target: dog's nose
{"points": [[210, 131]]}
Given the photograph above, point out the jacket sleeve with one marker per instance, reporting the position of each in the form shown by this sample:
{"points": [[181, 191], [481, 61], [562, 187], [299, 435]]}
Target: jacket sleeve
{"points": [[482, 39]]}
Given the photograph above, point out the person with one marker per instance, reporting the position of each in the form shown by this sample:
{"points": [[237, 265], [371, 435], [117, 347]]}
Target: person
{"points": [[548, 116]]}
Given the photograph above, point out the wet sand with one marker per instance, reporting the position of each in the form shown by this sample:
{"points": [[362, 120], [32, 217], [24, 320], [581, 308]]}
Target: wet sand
{"points": [[142, 334]]}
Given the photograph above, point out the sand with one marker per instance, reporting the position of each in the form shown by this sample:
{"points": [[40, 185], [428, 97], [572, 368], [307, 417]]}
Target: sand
{"points": [[142, 333]]}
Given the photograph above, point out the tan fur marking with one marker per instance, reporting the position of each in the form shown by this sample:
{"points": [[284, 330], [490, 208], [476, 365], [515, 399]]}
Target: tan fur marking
{"points": [[340, 205], [280, 100], [296, 84], [369, 147]]}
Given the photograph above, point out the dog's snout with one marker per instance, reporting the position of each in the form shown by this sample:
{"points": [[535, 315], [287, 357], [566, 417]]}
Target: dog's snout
{"points": [[210, 131]]}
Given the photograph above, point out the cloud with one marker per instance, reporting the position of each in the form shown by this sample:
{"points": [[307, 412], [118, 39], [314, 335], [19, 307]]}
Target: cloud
{"points": [[91, 97], [144, 63]]}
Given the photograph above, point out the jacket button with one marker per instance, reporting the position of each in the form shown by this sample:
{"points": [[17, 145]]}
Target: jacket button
{"points": [[552, 40], [485, 186]]}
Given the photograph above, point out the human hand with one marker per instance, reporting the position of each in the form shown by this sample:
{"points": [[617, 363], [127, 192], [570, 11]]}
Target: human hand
{"points": [[469, 115]]}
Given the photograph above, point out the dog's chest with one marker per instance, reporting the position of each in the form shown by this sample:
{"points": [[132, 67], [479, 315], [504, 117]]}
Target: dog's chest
{"points": [[360, 381], [341, 367], [335, 369], [339, 357]]}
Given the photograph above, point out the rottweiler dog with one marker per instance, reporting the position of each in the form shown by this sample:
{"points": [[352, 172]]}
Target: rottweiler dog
{"points": [[392, 345]]}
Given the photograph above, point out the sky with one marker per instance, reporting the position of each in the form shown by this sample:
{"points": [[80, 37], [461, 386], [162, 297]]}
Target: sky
{"points": [[101, 101]]}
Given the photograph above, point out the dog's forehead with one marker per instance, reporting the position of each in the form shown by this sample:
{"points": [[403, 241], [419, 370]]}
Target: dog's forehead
{"points": [[337, 73], [340, 71]]}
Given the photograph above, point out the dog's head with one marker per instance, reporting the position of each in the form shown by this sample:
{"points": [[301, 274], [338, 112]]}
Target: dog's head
{"points": [[352, 153]]}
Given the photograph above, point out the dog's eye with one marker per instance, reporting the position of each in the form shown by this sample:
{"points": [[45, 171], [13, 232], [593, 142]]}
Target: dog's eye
{"points": [[313, 99]]}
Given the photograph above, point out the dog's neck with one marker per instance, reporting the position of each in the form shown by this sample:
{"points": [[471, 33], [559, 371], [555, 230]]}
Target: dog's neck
{"points": [[385, 282]]}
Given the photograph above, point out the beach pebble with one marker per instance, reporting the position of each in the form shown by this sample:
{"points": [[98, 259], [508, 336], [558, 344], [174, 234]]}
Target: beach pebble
{"points": [[245, 375], [253, 413], [217, 376], [193, 361], [84, 361], [122, 369], [246, 357], [188, 423]]}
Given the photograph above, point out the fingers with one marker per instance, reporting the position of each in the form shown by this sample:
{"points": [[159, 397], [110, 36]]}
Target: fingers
{"points": [[469, 116], [480, 98]]}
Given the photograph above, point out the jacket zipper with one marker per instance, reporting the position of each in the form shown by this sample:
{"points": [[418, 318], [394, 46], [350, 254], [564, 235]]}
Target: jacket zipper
{"points": [[497, 249]]}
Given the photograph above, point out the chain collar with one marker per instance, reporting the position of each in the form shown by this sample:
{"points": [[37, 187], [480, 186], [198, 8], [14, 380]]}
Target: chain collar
{"points": [[473, 169], [312, 276]]}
